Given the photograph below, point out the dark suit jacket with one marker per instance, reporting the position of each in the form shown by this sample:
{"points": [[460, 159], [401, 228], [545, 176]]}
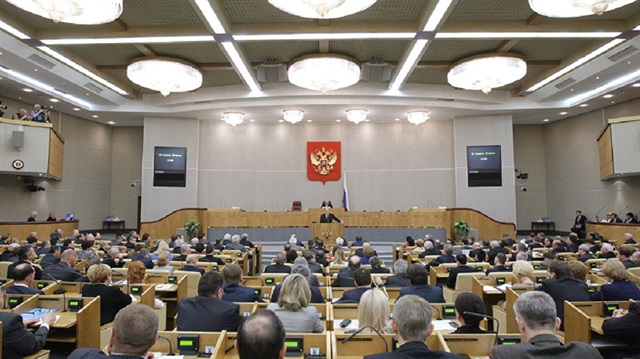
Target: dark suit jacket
{"points": [[562, 289], [86, 353], [61, 271], [192, 268], [112, 299], [446, 258], [617, 290], [212, 259], [545, 346], [430, 252], [414, 350], [585, 257], [18, 289], [431, 293], [324, 218], [499, 268], [493, 252], [315, 267], [17, 342], [238, 293], [148, 262], [626, 328], [344, 278], [398, 280], [608, 255], [113, 263], [316, 295], [453, 274], [12, 266], [207, 314], [277, 268], [353, 295]]}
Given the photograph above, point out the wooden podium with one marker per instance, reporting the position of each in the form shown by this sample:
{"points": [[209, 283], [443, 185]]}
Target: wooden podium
{"points": [[328, 232]]}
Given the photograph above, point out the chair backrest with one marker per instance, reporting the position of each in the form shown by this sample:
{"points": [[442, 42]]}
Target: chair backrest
{"points": [[193, 278], [296, 206], [464, 280]]}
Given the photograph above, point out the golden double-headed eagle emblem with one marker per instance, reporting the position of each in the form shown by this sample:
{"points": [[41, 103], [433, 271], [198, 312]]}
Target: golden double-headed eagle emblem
{"points": [[323, 161]]}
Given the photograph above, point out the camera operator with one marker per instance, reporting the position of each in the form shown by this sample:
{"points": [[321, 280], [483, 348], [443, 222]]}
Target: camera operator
{"points": [[21, 115], [38, 114]]}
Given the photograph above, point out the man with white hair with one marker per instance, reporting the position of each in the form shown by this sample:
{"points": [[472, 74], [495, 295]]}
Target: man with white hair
{"points": [[235, 244], [114, 260], [293, 244], [628, 239], [538, 323], [583, 253], [399, 279], [429, 250], [10, 253], [191, 265], [606, 251], [226, 239]]}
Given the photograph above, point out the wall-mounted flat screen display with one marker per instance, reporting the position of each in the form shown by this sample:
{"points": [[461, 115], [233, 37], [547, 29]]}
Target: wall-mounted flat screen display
{"points": [[484, 166], [170, 167]]}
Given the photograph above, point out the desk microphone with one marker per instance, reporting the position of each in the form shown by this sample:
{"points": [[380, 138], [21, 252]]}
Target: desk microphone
{"points": [[386, 345], [478, 315], [170, 345], [598, 218], [439, 317], [59, 291], [621, 212]]}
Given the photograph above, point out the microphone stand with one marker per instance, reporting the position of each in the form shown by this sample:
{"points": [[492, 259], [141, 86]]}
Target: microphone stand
{"points": [[478, 315], [170, 345], [386, 345], [59, 291]]}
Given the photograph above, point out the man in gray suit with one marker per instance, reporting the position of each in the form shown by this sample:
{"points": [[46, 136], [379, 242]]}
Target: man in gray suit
{"points": [[537, 322]]}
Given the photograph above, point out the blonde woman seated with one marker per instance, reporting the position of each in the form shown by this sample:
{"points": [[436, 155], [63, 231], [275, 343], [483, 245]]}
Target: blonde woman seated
{"points": [[136, 272], [163, 263], [339, 258], [419, 248], [293, 306], [523, 271], [112, 299], [163, 247], [374, 313]]}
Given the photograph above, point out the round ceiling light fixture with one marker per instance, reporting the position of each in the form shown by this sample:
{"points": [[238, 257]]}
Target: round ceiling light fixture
{"points": [[575, 8], [324, 72], [165, 75], [322, 9], [356, 115], [81, 12], [293, 116], [486, 72], [233, 118], [417, 117]]}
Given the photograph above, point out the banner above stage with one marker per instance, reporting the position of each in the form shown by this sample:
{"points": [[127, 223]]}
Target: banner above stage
{"points": [[324, 161]]}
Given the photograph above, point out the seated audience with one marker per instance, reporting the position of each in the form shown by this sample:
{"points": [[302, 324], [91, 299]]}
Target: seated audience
{"points": [[418, 276], [233, 289], [135, 330], [114, 260], [498, 264], [562, 286], [521, 248], [191, 266], [584, 254], [290, 256], [606, 251], [112, 299], [462, 267], [136, 272], [624, 255], [376, 266], [411, 324], [362, 280], [429, 250], [88, 251], [624, 325], [409, 242], [619, 287], [523, 271], [316, 295], [208, 312], [477, 253], [278, 266], [209, 257], [469, 324], [163, 247], [538, 322], [419, 248], [17, 340], [373, 312], [494, 249], [447, 257], [339, 257], [23, 277], [367, 253], [163, 263], [26, 254], [261, 335], [628, 239], [65, 269], [293, 306], [399, 279], [314, 266], [345, 277], [235, 244], [183, 251], [578, 270]]}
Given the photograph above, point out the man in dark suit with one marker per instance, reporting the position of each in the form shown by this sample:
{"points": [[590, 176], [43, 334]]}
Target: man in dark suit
{"points": [[498, 264], [345, 277], [494, 249], [362, 280], [245, 242], [418, 276], [628, 239], [64, 270], [191, 265], [561, 286], [606, 251], [537, 322], [329, 217], [209, 257], [261, 335], [584, 254], [625, 325], [521, 248], [399, 279], [145, 258], [233, 289], [461, 261], [44, 247], [10, 253], [429, 250], [114, 260], [447, 257], [316, 295], [614, 218], [579, 224], [314, 267], [23, 276], [26, 254], [630, 219], [411, 324], [135, 321], [278, 266], [53, 257], [17, 341], [208, 312]]}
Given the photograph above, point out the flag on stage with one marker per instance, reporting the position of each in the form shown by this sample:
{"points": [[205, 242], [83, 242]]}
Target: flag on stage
{"points": [[345, 193]]}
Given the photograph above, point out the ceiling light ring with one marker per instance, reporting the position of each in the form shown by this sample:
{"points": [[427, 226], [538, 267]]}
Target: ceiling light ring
{"points": [[324, 72], [322, 9], [293, 116], [80, 12], [574, 8], [476, 72], [357, 115], [417, 117], [164, 74]]}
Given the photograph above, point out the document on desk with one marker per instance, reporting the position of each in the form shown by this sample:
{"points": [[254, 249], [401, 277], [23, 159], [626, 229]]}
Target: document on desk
{"points": [[160, 356], [39, 323], [442, 325], [163, 286]]}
